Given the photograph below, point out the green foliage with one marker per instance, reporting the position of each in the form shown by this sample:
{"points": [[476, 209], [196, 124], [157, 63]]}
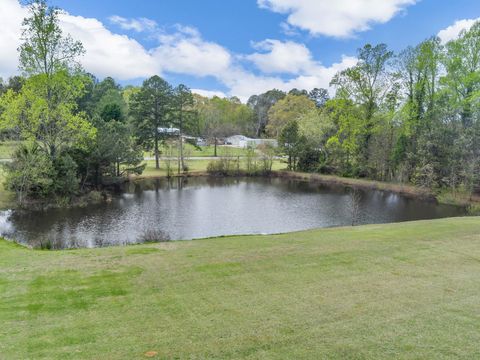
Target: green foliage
{"points": [[45, 50], [261, 104], [291, 143], [414, 117], [290, 108], [309, 159], [224, 166], [223, 117], [31, 173], [45, 111], [151, 108], [474, 209], [66, 181]]}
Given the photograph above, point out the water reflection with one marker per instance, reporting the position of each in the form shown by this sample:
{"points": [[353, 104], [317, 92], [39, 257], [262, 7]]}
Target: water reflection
{"points": [[203, 207]]}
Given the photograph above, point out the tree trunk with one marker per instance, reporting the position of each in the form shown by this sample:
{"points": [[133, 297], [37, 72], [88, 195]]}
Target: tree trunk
{"points": [[180, 154], [215, 148], [180, 144], [157, 160]]}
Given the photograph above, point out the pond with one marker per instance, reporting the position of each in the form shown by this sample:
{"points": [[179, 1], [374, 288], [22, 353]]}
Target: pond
{"points": [[203, 207]]}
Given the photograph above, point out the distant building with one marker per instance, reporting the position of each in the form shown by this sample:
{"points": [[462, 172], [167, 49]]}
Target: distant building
{"points": [[169, 131], [237, 140], [242, 141]]}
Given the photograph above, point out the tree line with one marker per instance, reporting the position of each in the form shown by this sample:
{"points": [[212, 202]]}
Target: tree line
{"points": [[411, 117]]}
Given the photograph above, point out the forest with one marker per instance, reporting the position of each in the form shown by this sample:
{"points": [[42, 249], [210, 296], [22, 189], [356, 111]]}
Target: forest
{"points": [[410, 117]]}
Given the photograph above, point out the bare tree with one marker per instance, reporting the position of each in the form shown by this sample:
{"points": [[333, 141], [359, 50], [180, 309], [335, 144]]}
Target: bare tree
{"points": [[355, 199], [169, 155]]}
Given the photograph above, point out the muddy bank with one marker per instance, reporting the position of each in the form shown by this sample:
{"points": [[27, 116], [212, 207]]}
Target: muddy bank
{"points": [[402, 189]]}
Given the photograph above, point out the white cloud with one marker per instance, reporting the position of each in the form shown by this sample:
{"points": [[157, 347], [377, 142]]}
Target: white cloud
{"points": [[281, 57], [209, 93], [181, 51], [11, 17], [186, 52], [107, 53], [138, 25], [453, 31], [287, 58], [243, 84], [339, 18]]}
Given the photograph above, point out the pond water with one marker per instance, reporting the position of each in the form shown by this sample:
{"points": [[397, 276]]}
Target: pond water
{"points": [[204, 207]]}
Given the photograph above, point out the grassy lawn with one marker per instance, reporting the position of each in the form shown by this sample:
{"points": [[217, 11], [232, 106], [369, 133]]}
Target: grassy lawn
{"points": [[204, 151], [195, 166], [408, 291], [7, 148]]}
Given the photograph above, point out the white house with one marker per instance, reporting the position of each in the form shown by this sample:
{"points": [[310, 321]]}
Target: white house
{"points": [[242, 141], [169, 131]]}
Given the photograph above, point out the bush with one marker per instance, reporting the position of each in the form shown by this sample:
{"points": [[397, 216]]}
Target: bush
{"points": [[223, 167], [154, 235], [267, 154], [309, 160], [473, 210]]}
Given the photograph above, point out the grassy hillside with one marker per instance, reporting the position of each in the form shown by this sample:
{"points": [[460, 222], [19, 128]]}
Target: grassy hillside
{"points": [[406, 290]]}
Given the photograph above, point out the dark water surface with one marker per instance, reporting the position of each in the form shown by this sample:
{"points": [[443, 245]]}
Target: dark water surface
{"points": [[203, 207]]}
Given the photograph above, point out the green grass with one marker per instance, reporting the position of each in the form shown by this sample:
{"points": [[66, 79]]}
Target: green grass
{"points": [[7, 148], [205, 151], [195, 166], [7, 198], [408, 291]]}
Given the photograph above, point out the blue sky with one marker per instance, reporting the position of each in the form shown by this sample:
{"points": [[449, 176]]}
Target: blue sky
{"points": [[241, 47]]}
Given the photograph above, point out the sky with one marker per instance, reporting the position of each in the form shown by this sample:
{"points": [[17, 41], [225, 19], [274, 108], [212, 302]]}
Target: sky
{"points": [[237, 47]]}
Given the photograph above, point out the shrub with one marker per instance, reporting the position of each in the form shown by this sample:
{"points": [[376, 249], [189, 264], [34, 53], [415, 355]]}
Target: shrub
{"points": [[154, 235], [473, 210], [267, 153], [223, 167], [309, 160]]}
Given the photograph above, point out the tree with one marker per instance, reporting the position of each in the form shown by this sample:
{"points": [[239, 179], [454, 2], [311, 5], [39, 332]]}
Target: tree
{"points": [[45, 110], [214, 125], [342, 149], [291, 143], [292, 107], [317, 127], [115, 147], [183, 117], [48, 114], [30, 173], [354, 202], [260, 104], [15, 83], [367, 83], [297, 92], [45, 50], [418, 68], [218, 118], [151, 108], [319, 96], [462, 79]]}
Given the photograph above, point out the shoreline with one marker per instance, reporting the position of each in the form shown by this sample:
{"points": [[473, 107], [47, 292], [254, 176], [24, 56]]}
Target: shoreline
{"points": [[172, 242], [410, 191]]}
